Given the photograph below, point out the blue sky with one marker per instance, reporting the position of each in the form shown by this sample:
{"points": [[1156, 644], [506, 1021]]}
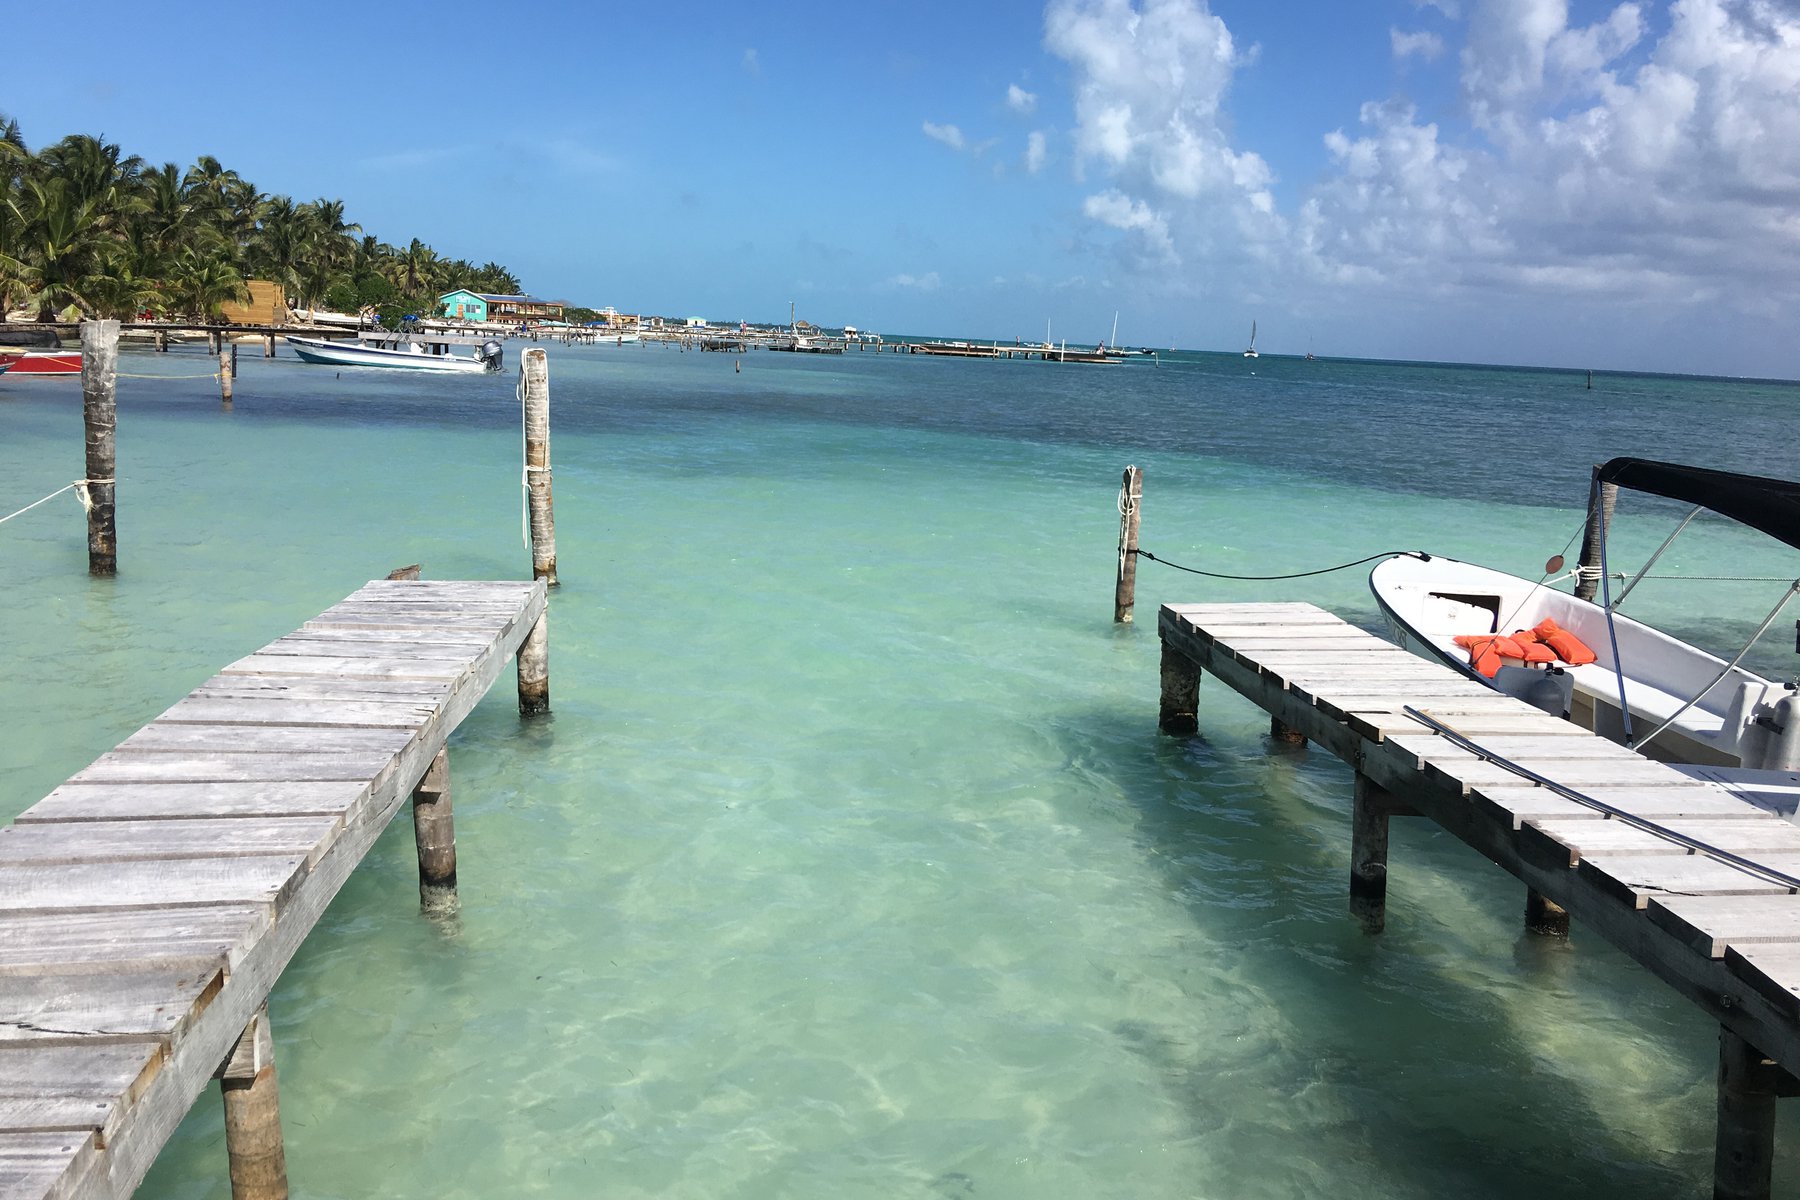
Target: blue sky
{"points": [[1551, 182]]}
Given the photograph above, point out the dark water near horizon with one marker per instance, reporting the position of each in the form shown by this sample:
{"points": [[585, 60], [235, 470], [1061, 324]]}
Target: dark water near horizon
{"points": [[851, 863]]}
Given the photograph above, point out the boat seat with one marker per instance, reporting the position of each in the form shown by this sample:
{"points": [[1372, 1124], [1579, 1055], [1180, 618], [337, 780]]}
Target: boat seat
{"points": [[1646, 701]]}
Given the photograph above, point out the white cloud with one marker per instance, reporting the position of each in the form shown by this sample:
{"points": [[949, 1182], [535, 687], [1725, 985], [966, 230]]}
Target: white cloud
{"points": [[950, 135], [1120, 211], [1036, 150], [927, 282], [1020, 100], [752, 63], [1427, 45]]}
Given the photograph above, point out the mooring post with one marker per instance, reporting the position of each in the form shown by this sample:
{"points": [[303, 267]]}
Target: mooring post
{"points": [[1369, 813], [1131, 500], [162, 341], [534, 394], [212, 342], [99, 416], [1544, 915], [1744, 1154], [534, 669], [253, 1115], [268, 345], [227, 370], [1602, 499], [1179, 711], [434, 831]]}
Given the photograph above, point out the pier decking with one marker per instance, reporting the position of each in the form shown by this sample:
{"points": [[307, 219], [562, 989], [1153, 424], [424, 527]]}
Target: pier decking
{"points": [[1720, 924], [149, 904]]}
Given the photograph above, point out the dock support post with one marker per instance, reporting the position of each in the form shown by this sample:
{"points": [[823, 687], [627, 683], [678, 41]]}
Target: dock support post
{"points": [[1180, 706], [99, 416], [1284, 733], [1369, 854], [227, 372], [534, 394], [162, 341], [1602, 499], [1744, 1154], [534, 669], [434, 831], [253, 1115], [1131, 500], [213, 340], [268, 345], [1544, 915]]}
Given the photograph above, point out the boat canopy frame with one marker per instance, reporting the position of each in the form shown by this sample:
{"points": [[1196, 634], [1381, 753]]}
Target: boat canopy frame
{"points": [[1763, 503]]}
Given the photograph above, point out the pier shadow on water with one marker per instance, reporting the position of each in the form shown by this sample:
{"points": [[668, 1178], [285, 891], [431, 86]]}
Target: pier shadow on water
{"points": [[1453, 1054]]}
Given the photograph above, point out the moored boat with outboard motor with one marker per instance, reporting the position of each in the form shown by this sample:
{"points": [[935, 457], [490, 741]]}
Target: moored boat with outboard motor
{"points": [[407, 355]]}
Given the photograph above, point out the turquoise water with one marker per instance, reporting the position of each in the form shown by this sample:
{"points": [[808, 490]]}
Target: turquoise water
{"points": [[851, 863]]}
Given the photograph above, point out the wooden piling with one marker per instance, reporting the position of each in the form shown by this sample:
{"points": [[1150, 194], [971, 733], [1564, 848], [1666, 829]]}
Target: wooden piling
{"points": [[162, 341], [213, 341], [253, 1115], [534, 394], [99, 415], [434, 832], [1131, 500], [1602, 499], [1544, 915], [1180, 692], [1370, 809], [268, 345], [534, 669], [1744, 1154], [227, 372]]}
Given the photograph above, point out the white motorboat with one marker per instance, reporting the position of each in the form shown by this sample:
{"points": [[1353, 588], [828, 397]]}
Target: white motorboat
{"points": [[406, 355], [1680, 703]]}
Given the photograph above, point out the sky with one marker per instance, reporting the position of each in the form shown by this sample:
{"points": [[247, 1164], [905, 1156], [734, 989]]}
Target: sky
{"points": [[1542, 182]]}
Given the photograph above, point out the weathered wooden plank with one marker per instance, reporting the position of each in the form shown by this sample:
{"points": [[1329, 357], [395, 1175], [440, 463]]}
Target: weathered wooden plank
{"points": [[469, 639], [49, 844], [344, 714], [1771, 971], [1636, 879], [118, 767], [1575, 838], [1519, 802], [192, 738], [74, 1010], [421, 653], [160, 883], [57, 1088], [1345, 641], [47, 1165], [1306, 632], [296, 687], [170, 801], [127, 940], [339, 667], [1710, 923]]}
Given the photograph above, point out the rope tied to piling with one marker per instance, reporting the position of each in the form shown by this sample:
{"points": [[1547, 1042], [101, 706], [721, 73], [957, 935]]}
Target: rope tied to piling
{"points": [[79, 483], [82, 493], [1418, 554]]}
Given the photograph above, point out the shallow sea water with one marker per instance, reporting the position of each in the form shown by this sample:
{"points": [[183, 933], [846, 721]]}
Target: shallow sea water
{"points": [[851, 863]]}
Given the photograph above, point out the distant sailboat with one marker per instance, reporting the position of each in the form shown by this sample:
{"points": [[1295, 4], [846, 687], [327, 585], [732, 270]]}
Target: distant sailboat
{"points": [[1251, 352]]}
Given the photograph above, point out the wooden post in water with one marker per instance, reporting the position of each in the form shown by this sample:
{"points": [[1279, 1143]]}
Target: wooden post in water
{"points": [[99, 416], [253, 1115], [1744, 1154], [534, 393], [434, 832], [268, 345], [1544, 915], [1602, 499], [227, 371], [1179, 710], [534, 669], [162, 341], [213, 341], [1131, 502], [1369, 813]]}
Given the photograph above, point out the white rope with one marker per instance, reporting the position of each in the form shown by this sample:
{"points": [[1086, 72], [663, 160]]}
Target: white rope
{"points": [[80, 483], [1126, 507]]}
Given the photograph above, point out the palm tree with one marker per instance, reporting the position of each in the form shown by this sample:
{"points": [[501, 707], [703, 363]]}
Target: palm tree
{"points": [[62, 243], [202, 284], [418, 268]]}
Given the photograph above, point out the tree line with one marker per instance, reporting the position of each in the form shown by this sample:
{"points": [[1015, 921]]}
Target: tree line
{"points": [[84, 226]]}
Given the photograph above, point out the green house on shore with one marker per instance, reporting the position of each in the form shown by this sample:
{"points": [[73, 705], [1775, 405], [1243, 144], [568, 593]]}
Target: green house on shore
{"points": [[465, 305]]}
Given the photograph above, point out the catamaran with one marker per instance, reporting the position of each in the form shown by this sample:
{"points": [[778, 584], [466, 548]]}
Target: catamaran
{"points": [[1625, 680]]}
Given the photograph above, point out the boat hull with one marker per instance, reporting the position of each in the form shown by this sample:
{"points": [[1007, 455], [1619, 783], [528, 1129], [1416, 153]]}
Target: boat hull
{"points": [[46, 362], [315, 351]]}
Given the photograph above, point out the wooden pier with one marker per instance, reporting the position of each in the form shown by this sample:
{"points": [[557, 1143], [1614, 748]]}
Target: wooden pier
{"points": [[149, 904], [1679, 868]]}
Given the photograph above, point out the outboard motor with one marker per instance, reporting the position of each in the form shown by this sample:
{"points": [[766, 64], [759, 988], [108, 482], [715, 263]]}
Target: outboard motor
{"points": [[1551, 689], [491, 353]]}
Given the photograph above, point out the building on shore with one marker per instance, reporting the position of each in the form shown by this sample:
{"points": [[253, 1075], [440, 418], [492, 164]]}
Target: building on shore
{"points": [[465, 305]]}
